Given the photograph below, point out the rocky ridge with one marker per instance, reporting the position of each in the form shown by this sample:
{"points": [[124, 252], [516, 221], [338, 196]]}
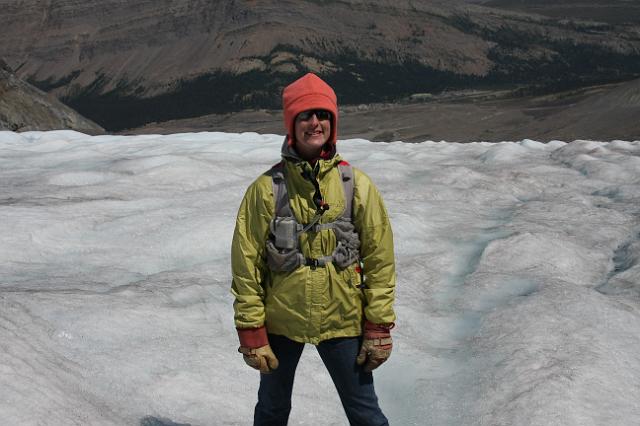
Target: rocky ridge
{"points": [[125, 64], [24, 107]]}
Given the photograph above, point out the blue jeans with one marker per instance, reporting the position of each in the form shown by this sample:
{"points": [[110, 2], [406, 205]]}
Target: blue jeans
{"points": [[355, 387]]}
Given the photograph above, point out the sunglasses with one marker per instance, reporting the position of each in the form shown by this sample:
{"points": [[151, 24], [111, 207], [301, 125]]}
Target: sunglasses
{"points": [[321, 114]]}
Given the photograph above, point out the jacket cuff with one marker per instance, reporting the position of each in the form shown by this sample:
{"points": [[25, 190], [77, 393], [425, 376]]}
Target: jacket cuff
{"points": [[253, 337], [377, 331]]}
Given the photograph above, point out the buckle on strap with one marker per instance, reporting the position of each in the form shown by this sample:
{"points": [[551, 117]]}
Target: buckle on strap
{"points": [[313, 263]]}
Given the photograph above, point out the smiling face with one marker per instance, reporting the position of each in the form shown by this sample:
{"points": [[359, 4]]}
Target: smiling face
{"points": [[311, 135]]}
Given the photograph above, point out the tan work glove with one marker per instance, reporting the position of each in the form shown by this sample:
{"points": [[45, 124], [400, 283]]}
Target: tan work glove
{"points": [[262, 359], [376, 346], [255, 349]]}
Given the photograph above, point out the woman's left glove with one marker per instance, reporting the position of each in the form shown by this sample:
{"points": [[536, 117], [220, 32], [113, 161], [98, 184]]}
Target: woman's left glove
{"points": [[261, 359], [255, 349], [376, 345]]}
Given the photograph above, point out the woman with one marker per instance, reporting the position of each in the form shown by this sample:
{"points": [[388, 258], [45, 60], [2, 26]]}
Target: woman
{"points": [[312, 262]]}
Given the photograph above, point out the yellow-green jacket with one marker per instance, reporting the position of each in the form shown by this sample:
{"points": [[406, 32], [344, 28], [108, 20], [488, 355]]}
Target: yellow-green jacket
{"points": [[313, 304]]}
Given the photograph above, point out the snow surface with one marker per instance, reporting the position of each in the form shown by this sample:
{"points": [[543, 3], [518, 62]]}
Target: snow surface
{"points": [[518, 294]]}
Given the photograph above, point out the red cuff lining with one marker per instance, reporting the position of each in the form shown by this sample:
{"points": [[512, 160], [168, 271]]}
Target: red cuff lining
{"points": [[253, 337], [377, 331]]}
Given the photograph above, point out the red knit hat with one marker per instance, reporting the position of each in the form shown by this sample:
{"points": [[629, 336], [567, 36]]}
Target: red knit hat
{"points": [[309, 92]]}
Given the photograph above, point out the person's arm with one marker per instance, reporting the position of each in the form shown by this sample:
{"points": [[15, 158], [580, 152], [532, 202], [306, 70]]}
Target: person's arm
{"points": [[377, 255], [249, 271], [376, 250], [248, 265]]}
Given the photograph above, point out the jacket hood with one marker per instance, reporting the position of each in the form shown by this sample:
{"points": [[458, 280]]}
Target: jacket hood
{"points": [[288, 152], [309, 92]]}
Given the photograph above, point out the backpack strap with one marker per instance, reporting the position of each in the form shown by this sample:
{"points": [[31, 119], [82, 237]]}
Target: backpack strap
{"points": [[280, 193], [346, 173]]}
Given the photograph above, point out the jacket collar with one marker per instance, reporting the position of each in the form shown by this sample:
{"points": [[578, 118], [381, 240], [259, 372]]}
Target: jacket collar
{"points": [[323, 164]]}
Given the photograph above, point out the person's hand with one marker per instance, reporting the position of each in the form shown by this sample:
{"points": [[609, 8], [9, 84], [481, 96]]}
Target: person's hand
{"points": [[376, 346], [255, 349], [262, 358]]}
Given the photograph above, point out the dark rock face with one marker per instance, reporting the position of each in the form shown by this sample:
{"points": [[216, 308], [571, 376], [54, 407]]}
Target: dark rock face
{"points": [[125, 63], [611, 12], [23, 107]]}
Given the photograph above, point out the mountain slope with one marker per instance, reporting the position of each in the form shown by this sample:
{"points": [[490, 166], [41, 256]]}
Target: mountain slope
{"points": [[124, 64], [23, 107]]}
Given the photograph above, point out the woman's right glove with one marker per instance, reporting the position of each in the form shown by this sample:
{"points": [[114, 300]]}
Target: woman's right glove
{"points": [[376, 345], [255, 349]]}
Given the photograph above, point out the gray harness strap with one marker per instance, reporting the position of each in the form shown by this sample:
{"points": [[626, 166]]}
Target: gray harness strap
{"points": [[280, 194], [283, 253], [346, 171]]}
